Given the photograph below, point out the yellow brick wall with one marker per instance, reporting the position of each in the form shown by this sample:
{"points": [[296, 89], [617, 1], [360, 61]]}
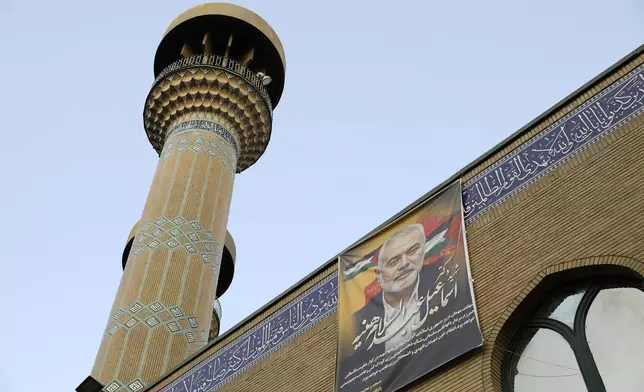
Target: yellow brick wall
{"points": [[585, 212]]}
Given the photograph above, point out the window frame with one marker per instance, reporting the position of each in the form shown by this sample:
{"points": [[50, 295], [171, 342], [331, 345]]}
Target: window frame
{"points": [[576, 336]]}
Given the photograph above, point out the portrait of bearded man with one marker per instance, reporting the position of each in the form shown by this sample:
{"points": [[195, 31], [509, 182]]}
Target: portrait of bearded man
{"points": [[406, 301], [402, 309]]}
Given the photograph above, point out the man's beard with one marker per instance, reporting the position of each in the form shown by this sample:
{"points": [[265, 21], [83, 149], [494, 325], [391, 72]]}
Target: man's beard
{"points": [[398, 285]]}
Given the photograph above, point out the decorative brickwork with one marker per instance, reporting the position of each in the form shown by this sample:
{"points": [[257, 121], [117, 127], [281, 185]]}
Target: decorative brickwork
{"points": [[202, 125], [207, 92], [163, 309], [176, 232], [158, 315]]}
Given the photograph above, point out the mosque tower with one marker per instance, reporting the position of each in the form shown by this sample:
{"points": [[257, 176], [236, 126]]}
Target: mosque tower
{"points": [[219, 73]]}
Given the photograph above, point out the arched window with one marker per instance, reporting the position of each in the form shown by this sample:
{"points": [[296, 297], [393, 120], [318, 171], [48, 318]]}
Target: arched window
{"points": [[586, 337]]}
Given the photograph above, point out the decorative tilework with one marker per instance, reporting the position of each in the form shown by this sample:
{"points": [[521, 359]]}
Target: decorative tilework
{"points": [[156, 314], [224, 62], [585, 125], [135, 386], [152, 321], [174, 233], [165, 315], [190, 337], [131, 322], [200, 88], [298, 316], [197, 144], [567, 137], [207, 126]]}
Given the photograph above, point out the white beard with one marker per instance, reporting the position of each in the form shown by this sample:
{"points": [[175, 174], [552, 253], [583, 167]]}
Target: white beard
{"points": [[398, 285]]}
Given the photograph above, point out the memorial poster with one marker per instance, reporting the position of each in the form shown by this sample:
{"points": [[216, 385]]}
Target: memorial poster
{"points": [[406, 302]]}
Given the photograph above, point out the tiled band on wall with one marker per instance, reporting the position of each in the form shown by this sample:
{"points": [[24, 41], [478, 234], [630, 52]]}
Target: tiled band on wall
{"points": [[556, 144], [586, 124], [277, 330]]}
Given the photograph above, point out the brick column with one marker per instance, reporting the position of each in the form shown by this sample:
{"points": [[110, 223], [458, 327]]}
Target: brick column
{"points": [[207, 122], [163, 308]]}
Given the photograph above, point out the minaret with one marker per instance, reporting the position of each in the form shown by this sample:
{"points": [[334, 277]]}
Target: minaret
{"points": [[219, 72]]}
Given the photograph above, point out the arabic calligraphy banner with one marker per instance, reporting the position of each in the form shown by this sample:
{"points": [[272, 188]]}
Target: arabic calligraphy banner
{"points": [[594, 119], [406, 304]]}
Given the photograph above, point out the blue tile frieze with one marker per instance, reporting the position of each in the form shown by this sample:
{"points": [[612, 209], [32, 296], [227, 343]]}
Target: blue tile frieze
{"points": [[208, 126], [586, 124], [550, 148], [298, 316]]}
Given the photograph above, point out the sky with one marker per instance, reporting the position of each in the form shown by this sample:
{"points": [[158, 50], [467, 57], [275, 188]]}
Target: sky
{"points": [[383, 101]]}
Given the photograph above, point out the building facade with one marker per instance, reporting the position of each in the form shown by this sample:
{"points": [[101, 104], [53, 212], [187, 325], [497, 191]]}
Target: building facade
{"points": [[556, 254]]}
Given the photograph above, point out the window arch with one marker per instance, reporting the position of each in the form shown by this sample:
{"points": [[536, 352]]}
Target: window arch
{"points": [[583, 336]]}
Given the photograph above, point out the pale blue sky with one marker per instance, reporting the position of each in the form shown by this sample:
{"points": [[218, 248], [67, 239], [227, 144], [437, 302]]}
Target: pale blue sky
{"points": [[383, 101]]}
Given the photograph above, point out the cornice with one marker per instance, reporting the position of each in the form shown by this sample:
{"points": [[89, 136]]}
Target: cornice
{"points": [[228, 94]]}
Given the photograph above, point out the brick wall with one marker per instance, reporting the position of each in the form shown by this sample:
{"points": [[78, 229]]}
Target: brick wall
{"points": [[585, 212]]}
